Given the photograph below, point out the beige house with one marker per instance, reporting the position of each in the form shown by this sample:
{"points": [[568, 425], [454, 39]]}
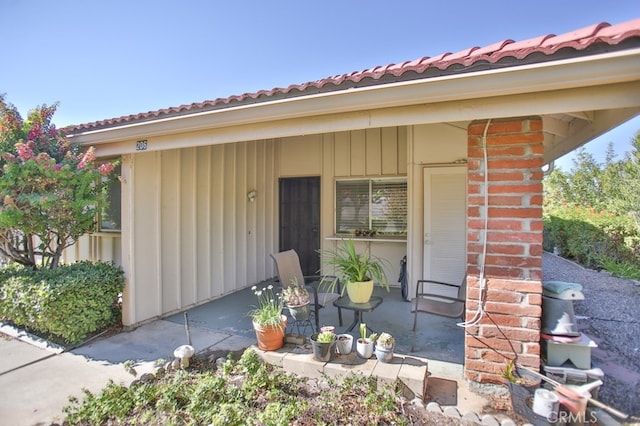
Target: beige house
{"points": [[443, 156]]}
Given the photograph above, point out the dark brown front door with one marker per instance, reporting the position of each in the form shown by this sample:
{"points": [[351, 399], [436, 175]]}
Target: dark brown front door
{"points": [[300, 220]]}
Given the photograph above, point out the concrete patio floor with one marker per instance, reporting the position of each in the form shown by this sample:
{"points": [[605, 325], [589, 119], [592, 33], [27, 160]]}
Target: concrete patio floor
{"points": [[438, 342], [436, 338]]}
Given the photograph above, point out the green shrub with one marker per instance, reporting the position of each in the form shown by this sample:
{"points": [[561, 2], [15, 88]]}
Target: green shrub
{"points": [[622, 269], [68, 302], [590, 237]]}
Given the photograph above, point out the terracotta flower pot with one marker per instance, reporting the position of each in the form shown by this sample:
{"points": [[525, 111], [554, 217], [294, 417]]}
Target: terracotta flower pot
{"points": [[270, 337]]}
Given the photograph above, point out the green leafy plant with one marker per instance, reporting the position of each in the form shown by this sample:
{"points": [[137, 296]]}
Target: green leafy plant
{"points": [[326, 337], [264, 395], [351, 266], [512, 375], [68, 302], [269, 308], [591, 237], [621, 269], [363, 333]]}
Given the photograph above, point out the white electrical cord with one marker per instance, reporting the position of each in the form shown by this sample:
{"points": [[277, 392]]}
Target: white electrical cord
{"points": [[483, 282]]}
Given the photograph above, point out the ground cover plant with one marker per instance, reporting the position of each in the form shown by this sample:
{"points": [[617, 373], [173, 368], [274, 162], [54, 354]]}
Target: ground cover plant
{"points": [[246, 392]]}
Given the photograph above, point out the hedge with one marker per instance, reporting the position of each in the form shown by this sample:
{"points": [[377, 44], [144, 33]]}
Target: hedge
{"points": [[68, 302], [591, 238]]}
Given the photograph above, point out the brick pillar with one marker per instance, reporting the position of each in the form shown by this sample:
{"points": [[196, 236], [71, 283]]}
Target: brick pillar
{"points": [[513, 264]]}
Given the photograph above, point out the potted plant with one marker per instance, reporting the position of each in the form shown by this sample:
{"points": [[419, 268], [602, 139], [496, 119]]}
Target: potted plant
{"points": [[345, 344], [384, 347], [522, 385], [296, 299], [323, 344], [364, 345], [357, 270], [268, 321]]}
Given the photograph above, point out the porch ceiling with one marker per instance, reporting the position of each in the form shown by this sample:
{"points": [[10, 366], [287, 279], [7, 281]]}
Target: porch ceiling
{"points": [[565, 132]]}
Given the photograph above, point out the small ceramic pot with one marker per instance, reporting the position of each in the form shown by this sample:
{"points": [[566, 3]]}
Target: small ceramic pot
{"points": [[300, 313], [384, 354], [345, 344], [364, 348]]}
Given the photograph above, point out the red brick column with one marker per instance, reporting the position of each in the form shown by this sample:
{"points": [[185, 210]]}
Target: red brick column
{"points": [[513, 264]]}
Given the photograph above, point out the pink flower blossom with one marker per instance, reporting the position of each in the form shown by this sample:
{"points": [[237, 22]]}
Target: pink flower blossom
{"points": [[106, 168], [88, 157], [25, 152]]}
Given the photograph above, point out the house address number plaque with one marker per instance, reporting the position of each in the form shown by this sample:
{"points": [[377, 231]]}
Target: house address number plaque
{"points": [[141, 145]]}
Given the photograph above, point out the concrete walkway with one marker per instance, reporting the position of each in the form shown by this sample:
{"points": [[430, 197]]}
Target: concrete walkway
{"points": [[37, 380]]}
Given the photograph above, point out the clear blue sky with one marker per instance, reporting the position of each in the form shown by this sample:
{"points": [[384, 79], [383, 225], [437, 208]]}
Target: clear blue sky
{"points": [[105, 59]]}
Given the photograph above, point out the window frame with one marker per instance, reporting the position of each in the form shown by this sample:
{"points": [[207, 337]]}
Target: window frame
{"points": [[343, 227], [99, 211]]}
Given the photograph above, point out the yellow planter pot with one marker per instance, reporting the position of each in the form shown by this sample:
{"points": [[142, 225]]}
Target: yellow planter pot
{"points": [[360, 292]]}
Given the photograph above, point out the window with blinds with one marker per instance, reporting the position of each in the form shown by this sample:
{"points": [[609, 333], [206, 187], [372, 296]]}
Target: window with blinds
{"points": [[371, 206]]}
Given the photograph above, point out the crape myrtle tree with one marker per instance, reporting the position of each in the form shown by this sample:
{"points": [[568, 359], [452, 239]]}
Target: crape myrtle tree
{"points": [[50, 189]]}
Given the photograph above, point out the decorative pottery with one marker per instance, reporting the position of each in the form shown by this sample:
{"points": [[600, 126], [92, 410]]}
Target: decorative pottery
{"points": [[270, 337], [300, 313], [345, 344], [360, 292], [384, 354], [322, 351], [364, 349]]}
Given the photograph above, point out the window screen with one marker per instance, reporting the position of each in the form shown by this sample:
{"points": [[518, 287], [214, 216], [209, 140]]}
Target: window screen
{"points": [[371, 206]]}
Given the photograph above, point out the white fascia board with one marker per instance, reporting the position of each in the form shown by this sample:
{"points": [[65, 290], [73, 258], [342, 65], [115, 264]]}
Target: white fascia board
{"points": [[586, 71]]}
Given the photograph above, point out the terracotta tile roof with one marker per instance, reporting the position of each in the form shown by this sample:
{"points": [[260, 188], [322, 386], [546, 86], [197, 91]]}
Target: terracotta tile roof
{"points": [[584, 41]]}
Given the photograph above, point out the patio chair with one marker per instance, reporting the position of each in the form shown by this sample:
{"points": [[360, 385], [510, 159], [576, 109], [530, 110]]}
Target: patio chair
{"points": [[288, 267], [438, 298]]}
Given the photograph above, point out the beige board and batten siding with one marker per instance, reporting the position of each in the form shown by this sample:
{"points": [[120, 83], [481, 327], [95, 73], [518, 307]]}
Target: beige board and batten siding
{"points": [[367, 153], [193, 234], [104, 246], [430, 145]]}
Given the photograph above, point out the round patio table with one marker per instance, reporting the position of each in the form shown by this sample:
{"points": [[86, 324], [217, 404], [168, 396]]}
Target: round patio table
{"points": [[358, 309]]}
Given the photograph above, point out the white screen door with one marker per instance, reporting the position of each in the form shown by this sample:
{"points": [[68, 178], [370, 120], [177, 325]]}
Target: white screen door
{"points": [[445, 223]]}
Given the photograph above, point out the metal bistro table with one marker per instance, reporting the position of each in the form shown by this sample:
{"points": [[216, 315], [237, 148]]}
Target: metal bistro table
{"points": [[358, 308]]}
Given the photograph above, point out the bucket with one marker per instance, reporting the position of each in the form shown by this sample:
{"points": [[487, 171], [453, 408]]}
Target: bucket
{"points": [[546, 403]]}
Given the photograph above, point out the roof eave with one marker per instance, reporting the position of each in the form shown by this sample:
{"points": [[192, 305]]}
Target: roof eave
{"points": [[587, 71]]}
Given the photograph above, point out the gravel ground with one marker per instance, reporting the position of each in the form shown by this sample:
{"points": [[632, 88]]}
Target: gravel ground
{"points": [[610, 316]]}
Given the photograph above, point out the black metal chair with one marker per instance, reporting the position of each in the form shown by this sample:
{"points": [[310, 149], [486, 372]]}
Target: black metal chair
{"points": [[439, 298]]}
